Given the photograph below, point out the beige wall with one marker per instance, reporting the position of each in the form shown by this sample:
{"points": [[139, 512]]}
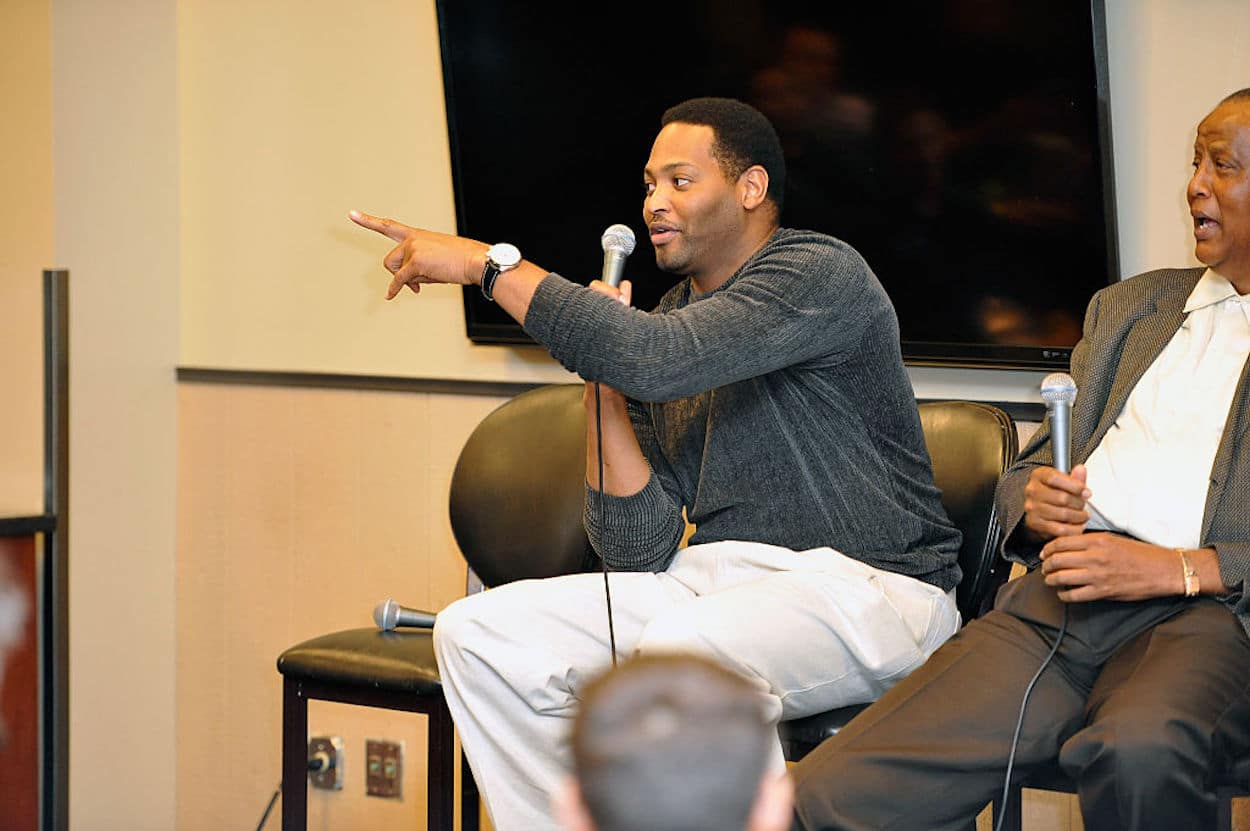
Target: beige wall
{"points": [[25, 244], [115, 151], [298, 511], [292, 113]]}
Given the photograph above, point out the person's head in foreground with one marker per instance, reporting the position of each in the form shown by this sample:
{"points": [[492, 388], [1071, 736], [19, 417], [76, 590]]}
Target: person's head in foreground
{"points": [[673, 743]]}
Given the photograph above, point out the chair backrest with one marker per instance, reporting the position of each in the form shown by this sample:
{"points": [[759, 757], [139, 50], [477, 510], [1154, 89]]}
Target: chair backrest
{"points": [[518, 487], [971, 445]]}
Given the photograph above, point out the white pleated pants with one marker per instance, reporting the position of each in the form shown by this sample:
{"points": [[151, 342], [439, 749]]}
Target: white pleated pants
{"points": [[812, 630]]}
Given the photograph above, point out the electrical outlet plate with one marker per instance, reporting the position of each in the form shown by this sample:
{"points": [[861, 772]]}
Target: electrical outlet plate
{"points": [[331, 778], [384, 768]]}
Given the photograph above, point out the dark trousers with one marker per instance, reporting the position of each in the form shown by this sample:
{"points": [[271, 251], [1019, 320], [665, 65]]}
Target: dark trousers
{"points": [[1138, 706]]}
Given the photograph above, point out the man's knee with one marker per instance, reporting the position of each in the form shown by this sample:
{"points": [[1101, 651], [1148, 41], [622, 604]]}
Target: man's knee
{"points": [[471, 628], [495, 614], [676, 631], [454, 626], [1137, 747]]}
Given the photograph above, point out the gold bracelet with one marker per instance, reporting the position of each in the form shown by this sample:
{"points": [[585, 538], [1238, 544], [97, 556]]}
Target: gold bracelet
{"points": [[1191, 576]]}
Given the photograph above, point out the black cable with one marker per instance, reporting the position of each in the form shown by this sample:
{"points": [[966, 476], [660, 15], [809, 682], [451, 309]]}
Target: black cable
{"points": [[607, 592], [1015, 739], [276, 793]]}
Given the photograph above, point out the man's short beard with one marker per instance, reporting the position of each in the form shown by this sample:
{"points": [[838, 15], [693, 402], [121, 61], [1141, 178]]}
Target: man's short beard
{"points": [[680, 270]]}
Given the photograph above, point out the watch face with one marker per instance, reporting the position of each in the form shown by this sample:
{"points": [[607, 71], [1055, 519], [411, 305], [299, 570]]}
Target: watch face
{"points": [[505, 255]]}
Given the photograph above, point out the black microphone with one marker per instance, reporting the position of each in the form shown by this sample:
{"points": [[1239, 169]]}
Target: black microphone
{"points": [[388, 614], [1058, 392], [618, 243]]}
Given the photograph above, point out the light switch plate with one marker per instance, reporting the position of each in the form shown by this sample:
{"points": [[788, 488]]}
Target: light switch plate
{"points": [[384, 768]]}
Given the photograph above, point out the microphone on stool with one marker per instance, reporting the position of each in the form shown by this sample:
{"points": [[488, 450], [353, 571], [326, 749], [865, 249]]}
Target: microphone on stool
{"points": [[388, 614]]}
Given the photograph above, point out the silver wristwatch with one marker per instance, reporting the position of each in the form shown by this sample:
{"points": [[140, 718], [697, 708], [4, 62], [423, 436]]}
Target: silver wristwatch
{"points": [[500, 257]]}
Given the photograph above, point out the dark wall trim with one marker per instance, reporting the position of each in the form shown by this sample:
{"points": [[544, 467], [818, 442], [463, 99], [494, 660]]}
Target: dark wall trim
{"points": [[25, 526], [336, 381], [1018, 410], [54, 738]]}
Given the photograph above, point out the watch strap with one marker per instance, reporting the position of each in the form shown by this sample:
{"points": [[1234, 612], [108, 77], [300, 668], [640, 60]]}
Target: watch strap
{"points": [[490, 273]]}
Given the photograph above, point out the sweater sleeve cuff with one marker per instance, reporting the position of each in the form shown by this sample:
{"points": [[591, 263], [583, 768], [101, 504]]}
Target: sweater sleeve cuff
{"points": [[638, 532]]}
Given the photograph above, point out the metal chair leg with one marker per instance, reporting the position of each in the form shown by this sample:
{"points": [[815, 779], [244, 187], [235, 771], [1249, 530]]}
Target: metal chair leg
{"points": [[1013, 821], [294, 757], [470, 799], [441, 761]]}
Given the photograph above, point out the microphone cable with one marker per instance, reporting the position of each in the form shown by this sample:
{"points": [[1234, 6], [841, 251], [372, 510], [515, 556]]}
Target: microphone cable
{"points": [[1015, 739], [607, 591], [617, 243], [265, 816], [1058, 392]]}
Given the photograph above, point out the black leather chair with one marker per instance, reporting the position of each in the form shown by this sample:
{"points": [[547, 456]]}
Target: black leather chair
{"points": [[970, 445], [516, 505]]}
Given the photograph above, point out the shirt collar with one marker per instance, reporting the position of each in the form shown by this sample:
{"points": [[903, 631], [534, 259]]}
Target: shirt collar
{"points": [[1211, 289]]}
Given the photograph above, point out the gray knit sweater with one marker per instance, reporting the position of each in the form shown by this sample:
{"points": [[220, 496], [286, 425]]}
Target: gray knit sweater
{"points": [[774, 409]]}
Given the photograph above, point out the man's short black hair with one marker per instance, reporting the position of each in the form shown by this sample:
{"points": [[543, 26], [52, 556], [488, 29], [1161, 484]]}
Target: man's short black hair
{"points": [[743, 137]]}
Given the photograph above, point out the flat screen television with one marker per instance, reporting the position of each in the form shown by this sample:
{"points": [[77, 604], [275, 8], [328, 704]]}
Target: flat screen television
{"points": [[962, 146]]}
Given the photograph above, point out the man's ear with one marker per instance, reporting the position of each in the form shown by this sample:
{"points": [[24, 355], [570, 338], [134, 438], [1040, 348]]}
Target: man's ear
{"points": [[753, 187], [569, 807], [774, 804]]}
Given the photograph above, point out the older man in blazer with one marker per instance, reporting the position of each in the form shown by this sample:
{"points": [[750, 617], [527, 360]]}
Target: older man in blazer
{"points": [[1138, 562]]}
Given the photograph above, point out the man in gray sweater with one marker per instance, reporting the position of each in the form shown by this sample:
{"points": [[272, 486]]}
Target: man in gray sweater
{"points": [[766, 399]]}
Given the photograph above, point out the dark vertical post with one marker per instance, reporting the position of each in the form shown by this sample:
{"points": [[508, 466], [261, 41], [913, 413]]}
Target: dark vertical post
{"points": [[294, 756], [54, 782], [1014, 808], [441, 765], [470, 799], [1224, 796]]}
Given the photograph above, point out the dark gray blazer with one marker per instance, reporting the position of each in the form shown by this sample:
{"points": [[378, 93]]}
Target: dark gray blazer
{"points": [[1126, 327]]}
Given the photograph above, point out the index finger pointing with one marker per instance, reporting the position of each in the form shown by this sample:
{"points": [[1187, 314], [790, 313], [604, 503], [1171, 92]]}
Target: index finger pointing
{"points": [[387, 227]]}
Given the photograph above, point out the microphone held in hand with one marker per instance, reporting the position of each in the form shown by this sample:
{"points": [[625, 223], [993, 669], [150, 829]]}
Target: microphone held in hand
{"points": [[388, 614], [618, 243], [1058, 392]]}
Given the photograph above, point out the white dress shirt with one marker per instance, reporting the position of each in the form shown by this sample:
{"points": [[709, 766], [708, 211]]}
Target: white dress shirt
{"points": [[1148, 477]]}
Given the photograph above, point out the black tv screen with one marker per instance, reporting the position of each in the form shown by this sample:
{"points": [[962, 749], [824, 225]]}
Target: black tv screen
{"points": [[962, 146]]}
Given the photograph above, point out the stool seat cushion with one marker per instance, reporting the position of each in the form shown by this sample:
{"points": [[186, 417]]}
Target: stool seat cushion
{"points": [[400, 660]]}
